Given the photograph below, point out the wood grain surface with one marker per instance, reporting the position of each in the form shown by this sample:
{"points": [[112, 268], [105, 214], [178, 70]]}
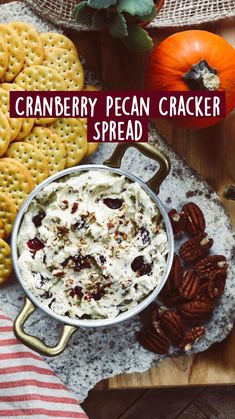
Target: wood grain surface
{"points": [[211, 153]]}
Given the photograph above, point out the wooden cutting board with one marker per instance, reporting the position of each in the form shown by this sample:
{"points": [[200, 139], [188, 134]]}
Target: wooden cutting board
{"points": [[211, 153]]}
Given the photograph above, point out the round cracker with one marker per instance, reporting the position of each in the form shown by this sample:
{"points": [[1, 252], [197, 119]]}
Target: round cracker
{"points": [[5, 133], [32, 158], [15, 52], [13, 183], [7, 213], [22, 168], [58, 40], [4, 57], [11, 86], [15, 123], [40, 78], [90, 88], [73, 135], [2, 230], [51, 145], [27, 123], [26, 128], [5, 261], [44, 121], [92, 147], [32, 43], [84, 124], [67, 64]]}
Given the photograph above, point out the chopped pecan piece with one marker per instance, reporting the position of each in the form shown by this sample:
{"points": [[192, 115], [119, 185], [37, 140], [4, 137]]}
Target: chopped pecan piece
{"points": [[211, 264], [177, 221], [124, 235], [216, 284], [110, 226], [174, 278], [190, 284], [74, 207], [64, 204], [62, 231], [195, 248], [172, 325], [194, 219], [191, 337], [59, 274], [196, 310], [154, 340]]}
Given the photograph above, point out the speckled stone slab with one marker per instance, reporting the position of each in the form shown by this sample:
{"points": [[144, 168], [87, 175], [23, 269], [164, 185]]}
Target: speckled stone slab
{"points": [[95, 354]]}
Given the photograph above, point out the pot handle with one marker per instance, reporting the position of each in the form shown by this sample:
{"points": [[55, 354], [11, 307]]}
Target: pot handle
{"points": [[149, 151], [32, 341]]}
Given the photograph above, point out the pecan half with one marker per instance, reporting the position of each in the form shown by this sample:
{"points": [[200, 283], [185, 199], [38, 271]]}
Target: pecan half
{"points": [[196, 310], [211, 264], [202, 292], [195, 248], [154, 340], [191, 337], [190, 284], [173, 326], [177, 221], [216, 284], [172, 299], [150, 314], [174, 278], [155, 317], [194, 219]]}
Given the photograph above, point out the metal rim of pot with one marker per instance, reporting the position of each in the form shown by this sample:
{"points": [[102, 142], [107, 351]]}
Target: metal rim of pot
{"points": [[71, 325]]}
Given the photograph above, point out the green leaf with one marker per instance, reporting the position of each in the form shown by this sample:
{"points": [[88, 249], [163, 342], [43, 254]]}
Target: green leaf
{"points": [[83, 14], [151, 16], [100, 20], [101, 4], [138, 40], [139, 8], [78, 8], [118, 27]]}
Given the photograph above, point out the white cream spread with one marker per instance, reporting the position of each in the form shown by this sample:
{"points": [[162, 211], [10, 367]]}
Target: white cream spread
{"points": [[92, 245]]}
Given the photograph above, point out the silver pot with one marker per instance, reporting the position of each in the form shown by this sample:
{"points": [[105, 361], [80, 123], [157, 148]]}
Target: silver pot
{"points": [[71, 325]]}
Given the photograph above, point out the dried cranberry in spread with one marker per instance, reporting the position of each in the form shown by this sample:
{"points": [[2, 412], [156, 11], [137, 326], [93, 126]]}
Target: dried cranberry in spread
{"points": [[92, 245]]}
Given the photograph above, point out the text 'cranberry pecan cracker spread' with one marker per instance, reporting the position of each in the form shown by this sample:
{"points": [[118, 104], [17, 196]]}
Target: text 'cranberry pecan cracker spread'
{"points": [[92, 245]]}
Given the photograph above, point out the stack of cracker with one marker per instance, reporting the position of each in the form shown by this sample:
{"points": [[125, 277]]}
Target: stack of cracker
{"points": [[33, 149]]}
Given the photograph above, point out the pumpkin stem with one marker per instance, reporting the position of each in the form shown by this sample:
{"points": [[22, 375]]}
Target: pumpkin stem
{"points": [[202, 77]]}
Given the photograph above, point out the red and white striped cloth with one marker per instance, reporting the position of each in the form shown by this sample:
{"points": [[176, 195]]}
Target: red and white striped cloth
{"points": [[28, 387]]}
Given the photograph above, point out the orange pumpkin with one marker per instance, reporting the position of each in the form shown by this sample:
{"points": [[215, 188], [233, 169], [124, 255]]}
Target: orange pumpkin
{"points": [[194, 60]]}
